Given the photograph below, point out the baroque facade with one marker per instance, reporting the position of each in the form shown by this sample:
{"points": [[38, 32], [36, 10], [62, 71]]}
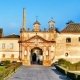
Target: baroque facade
{"points": [[41, 46]]}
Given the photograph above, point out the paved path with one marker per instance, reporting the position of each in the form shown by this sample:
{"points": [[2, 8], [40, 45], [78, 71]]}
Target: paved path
{"points": [[37, 73]]}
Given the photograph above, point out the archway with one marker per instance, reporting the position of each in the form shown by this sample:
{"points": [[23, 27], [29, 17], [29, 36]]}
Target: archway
{"points": [[36, 56]]}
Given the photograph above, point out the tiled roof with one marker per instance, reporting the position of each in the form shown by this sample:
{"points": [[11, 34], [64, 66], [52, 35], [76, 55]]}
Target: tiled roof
{"points": [[12, 36], [72, 28]]}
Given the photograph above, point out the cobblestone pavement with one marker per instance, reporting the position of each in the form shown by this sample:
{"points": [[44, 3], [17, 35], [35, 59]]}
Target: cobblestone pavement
{"points": [[37, 72]]}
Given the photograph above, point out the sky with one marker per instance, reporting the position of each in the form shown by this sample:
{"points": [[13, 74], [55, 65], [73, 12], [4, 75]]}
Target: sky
{"points": [[61, 11]]}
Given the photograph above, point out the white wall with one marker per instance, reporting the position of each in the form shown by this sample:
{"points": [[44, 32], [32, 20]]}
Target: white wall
{"points": [[8, 51]]}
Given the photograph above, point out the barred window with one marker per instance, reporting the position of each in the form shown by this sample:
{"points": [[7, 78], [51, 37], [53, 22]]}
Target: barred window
{"points": [[68, 40], [3, 45]]}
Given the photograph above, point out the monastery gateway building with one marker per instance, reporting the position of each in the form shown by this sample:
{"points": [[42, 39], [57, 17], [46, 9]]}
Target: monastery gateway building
{"points": [[43, 47]]}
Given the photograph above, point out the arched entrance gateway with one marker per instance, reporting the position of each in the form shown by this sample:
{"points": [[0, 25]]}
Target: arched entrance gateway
{"points": [[37, 50], [37, 46], [36, 56]]}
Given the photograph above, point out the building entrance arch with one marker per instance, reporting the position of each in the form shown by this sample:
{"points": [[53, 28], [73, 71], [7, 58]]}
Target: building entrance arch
{"points": [[36, 56]]}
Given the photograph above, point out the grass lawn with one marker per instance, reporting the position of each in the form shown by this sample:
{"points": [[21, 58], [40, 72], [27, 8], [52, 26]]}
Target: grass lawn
{"points": [[2, 68]]}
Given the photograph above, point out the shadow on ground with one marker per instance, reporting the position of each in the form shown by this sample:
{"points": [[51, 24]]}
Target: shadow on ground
{"points": [[61, 76]]}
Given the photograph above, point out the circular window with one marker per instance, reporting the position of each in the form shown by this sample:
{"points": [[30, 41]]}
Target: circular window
{"points": [[66, 54]]}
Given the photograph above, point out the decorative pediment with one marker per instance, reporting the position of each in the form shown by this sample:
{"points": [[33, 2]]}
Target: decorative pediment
{"points": [[37, 39]]}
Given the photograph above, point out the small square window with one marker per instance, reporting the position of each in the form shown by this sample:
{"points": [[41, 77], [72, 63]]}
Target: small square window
{"points": [[12, 55], [3, 45], [79, 39], [11, 45], [68, 40], [3, 55]]}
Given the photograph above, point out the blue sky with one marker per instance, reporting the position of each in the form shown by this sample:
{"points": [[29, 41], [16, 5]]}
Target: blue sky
{"points": [[61, 10]]}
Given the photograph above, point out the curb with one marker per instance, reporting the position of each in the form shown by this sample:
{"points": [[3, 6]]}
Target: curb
{"points": [[6, 78]]}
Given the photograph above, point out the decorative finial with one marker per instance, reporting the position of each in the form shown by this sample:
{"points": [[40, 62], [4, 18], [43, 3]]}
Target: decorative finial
{"points": [[36, 18]]}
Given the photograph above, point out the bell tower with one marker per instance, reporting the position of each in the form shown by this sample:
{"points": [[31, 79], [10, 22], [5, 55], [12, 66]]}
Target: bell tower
{"points": [[36, 26], [51, 25], [52, 31]]}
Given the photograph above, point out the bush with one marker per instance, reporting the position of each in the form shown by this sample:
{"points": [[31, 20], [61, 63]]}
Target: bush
{"points": [[5, 63], [68, 65], [64, 63]]}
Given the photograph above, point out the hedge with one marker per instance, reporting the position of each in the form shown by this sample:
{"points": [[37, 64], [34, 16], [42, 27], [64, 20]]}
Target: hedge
{"points": [[66, 64]]}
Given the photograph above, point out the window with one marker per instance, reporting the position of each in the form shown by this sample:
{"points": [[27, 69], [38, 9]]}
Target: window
{"points": [[11, 45], [66, 54], [68, 40], [79, 39], [12, 55], [3, 45], [3, 55]]}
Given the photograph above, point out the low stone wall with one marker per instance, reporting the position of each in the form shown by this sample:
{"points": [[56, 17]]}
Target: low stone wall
{"points": [[70, 74]]}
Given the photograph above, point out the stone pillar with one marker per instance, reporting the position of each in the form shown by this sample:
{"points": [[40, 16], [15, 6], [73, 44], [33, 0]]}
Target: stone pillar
{"points": [[52, 54], [22, 55], [46, 61], [20, 51], [26, 60], [28, 56], [44, 56]]}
